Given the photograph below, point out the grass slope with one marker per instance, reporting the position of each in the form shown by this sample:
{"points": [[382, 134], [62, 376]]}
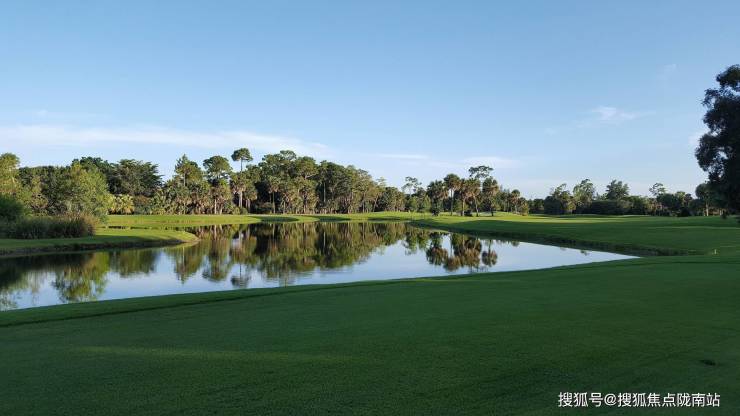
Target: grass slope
{"points": [[104, 238], [503, 343]]}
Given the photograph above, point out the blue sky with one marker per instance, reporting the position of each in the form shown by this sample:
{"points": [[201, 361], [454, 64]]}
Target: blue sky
{"points": [[545, 92]]}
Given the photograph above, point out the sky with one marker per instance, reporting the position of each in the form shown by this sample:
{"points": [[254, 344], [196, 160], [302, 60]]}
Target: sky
{"points": [[544, 92]]}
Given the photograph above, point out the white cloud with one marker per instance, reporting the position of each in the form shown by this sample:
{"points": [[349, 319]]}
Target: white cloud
{"points": [[614, 115], [45, 134]]}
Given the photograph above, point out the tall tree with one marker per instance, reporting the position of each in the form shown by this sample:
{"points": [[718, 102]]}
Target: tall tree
{"points": [[217, 168], [241, 155], [187, 171], [412, 185], [453, 183], [240, 181], [718, 152], [469, 189], [583, 194], [480, 172], [134, 177], [437, 190], [489, 191], [657, 189], [617, 190]]}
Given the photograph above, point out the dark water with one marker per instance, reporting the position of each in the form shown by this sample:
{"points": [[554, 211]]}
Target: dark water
{"points": [[268, 255]]}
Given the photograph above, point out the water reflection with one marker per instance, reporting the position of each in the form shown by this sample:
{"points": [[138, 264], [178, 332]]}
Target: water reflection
{"points": [[262, 255]]}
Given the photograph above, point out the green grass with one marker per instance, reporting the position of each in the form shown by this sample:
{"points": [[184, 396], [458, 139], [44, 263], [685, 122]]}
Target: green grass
{"points": [[202, 220], [501, 343], [104, 238]]}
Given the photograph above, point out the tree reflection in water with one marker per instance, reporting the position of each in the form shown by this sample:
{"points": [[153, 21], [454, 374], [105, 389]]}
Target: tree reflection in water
{"points": [[279, 253]]}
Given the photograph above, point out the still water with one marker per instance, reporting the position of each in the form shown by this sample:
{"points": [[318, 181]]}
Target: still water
{"points": [[269, 255]]}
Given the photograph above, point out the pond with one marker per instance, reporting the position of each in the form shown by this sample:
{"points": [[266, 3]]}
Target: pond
{"points": [[270, 255]]}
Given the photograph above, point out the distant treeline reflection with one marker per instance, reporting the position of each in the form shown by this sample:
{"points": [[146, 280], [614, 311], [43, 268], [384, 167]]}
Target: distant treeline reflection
{"points": [[277, 252]]}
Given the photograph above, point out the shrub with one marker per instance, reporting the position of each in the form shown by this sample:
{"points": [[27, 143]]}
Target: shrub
{"points": [[52, 227], [10, 209]]}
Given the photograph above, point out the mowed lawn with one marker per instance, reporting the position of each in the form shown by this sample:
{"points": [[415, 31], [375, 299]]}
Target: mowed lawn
{"points": [[498, 343]]}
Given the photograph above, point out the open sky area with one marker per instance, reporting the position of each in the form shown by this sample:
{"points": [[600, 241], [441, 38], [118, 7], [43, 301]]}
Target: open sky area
{"points": [[545, 92]]}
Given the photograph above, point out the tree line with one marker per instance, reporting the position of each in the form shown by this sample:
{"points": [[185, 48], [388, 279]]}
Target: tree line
{"points": [[285, 182]]}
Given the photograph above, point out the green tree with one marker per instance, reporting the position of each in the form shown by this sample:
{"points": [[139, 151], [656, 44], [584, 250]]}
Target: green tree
{"points": [[657, 189], [217, 168], [617, 190], [708, 198], [240, 181], [470, 189], [85, 192], [480, 172], [453, 183], [718, 152], [559, 202], [411, 186], [9, 183], [134, 177], [489, 191], [187, 171], [583, 194], [436, 190], [241, 155]]}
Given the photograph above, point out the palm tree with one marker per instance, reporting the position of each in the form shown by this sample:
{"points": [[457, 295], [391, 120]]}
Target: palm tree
{"points": [[453, 183], [239, 183], [470, 189], [250, 194], [490, 190]]}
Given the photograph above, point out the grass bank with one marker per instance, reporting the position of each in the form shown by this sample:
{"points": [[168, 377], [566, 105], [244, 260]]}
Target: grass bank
{"points": [[126, 231], [104, 238], [499, 343]]}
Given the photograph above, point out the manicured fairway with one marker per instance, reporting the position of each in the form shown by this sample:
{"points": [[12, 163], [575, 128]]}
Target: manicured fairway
{"points": [[502, 343]]}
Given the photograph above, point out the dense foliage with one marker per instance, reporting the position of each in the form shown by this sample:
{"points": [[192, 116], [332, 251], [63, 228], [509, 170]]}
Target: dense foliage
{"points": [[719, 150]]}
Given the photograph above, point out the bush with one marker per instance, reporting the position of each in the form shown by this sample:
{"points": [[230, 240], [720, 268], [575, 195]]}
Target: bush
{"points": [[52, 227], [10, 209]]}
